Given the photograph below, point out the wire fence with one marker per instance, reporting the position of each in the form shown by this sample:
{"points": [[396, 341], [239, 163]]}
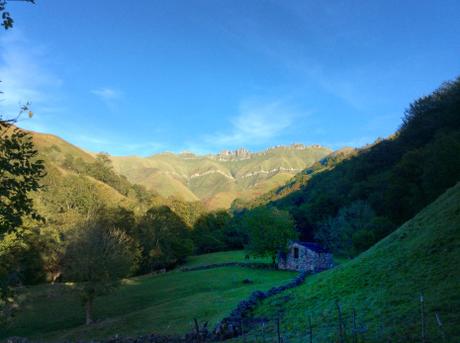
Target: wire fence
{"points": [[347, 325]]}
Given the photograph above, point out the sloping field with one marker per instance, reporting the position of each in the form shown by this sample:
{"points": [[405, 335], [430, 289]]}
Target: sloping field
{"points": [[384, 285], [165, 303]]}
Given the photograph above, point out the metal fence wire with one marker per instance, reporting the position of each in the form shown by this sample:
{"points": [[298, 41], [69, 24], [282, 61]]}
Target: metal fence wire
{"points": [[347, 326]]}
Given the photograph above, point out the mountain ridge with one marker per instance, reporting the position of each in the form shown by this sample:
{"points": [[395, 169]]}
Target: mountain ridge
{"points": [[219, 179], [216, 180]]}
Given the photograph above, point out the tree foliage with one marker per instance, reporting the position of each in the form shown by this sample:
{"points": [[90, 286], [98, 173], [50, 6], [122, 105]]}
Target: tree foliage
{"points": [[20, 173], [269, 231], [164, 238], [98, 256], [7, 20]]}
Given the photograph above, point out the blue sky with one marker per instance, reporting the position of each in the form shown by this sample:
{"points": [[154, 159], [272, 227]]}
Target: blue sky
{"points": [[144, 76]]}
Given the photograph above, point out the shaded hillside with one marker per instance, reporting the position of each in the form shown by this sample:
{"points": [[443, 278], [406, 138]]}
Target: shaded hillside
{"points": [[387, 182], [218, 179], [300, 180], [384, 284]]}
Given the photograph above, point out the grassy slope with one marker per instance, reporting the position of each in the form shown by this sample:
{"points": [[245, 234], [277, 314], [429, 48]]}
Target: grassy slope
{"points": [[164, 303], [384, 283], [53, 150], [56, 148], [221, 257]]}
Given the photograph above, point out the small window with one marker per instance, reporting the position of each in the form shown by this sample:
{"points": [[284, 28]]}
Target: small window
{"points": [[296, 252]]}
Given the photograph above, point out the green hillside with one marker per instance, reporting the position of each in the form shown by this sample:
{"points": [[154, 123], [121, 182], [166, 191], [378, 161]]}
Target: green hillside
{"points": [[384, 284], [77, 183], [219, 179]]}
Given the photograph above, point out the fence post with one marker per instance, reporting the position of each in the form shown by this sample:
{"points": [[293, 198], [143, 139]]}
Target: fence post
{"points": [[278, 329], [263, 331], [438, 320], [197, 329], [310, 329], [355, 333], [340, 323], [422, 316]]}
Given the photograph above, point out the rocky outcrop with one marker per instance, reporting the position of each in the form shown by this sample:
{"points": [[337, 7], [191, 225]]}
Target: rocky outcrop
{"points": [[228, 155]]}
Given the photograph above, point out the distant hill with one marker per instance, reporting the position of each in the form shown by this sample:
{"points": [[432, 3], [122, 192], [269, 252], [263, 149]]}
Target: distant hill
{"points": [[78, 183], [383, 285], [219, 179]]}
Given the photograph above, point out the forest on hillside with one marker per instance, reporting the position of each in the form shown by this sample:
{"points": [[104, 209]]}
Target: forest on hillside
{"points": [[354, 199]]}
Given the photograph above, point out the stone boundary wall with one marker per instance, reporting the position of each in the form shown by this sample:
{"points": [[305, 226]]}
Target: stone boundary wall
{"points": [[230, 326]]}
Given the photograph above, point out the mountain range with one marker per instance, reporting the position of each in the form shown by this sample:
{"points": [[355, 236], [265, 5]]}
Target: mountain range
{"points": [[218, 179]]}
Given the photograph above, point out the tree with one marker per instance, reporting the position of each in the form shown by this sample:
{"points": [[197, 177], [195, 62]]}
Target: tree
{"points": [[354, 229], [209, 232], [269, 231], [164, 237], [98, 257], [20, 172], [6, 16]]}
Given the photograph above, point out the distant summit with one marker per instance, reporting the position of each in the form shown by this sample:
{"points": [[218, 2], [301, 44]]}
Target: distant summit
{"points": [[239, 154], [243, 153]]}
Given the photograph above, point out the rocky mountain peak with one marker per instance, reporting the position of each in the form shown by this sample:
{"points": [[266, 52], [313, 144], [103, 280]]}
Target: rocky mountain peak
{"points": [[237, 154]]}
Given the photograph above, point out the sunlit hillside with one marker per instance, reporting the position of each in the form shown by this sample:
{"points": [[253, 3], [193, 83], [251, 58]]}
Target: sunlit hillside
{"points": [[219, 179]]}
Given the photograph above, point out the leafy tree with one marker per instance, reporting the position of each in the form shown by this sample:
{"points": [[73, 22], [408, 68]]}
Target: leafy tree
{"points": [[11, 248], [20, 173], [164, 237], [98, 257], [355, 228], [269, 231], [209, 232], [6, 16], [190, 212]]}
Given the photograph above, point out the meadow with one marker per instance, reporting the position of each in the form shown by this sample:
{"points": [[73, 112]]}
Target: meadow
{"points": [[164, 303]]}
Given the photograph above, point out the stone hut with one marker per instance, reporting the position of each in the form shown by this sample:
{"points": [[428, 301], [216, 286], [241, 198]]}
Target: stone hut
{"points": [[305, 256]]}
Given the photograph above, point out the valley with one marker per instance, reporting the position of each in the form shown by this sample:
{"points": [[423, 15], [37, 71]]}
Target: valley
{"points": [[151, 192]]}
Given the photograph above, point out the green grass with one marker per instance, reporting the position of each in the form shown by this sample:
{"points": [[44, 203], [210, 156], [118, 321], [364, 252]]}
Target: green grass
{"points": [[384, 284], [222, 257], [165, 303]]}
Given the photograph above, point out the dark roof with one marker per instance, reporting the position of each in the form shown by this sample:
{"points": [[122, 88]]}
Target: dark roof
{"points": [[312, 246]]}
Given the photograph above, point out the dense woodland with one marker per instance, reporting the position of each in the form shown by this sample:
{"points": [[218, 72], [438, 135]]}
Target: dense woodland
{"points": [[352, 199]]}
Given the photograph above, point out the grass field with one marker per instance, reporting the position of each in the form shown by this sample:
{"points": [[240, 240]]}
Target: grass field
{"points": [[165, 303], [222, 257], [384, 285]]}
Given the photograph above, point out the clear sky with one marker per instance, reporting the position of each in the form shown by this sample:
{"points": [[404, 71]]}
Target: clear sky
{"points": [[144, 76]]}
